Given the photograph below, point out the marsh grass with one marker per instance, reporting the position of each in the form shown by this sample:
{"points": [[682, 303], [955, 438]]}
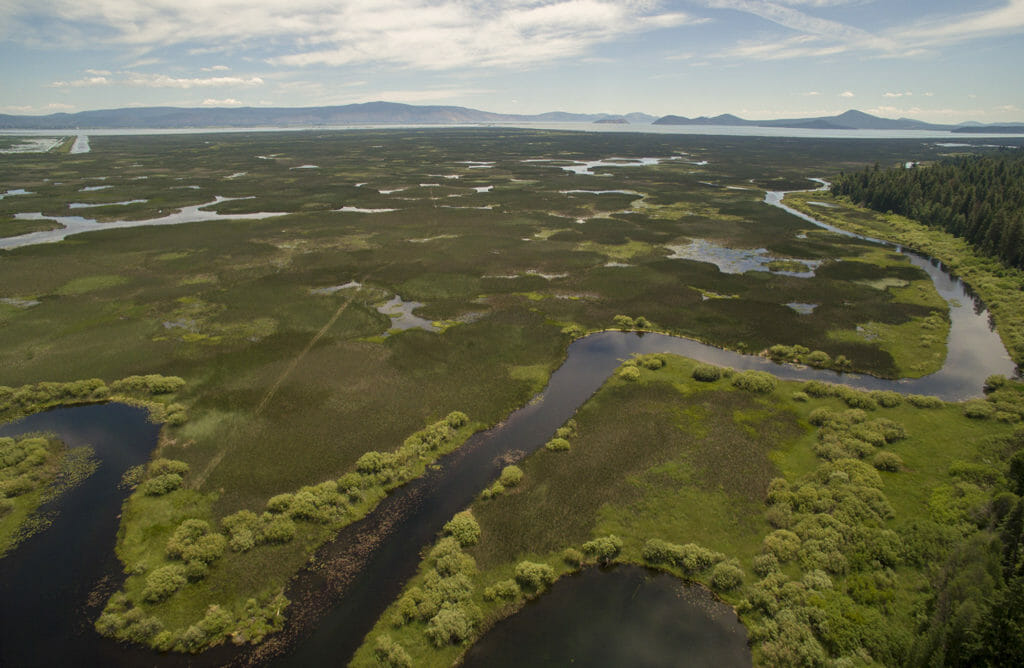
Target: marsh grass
{"points": [[229, 305]]}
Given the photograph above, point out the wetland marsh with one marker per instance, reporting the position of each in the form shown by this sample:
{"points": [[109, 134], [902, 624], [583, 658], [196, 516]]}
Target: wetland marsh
{"points": [[417, 273]]}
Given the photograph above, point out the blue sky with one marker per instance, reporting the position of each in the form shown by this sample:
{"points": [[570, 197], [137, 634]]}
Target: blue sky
{"points": [[936, 60]]}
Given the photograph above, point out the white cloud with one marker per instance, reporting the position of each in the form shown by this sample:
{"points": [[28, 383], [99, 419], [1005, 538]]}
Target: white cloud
{"points": [[158, 81], [215, 68], [414, 96], [906, 94], [427, 34], [819, 37], [36, 109], [812, 93], [228, 102], [846, 93]]}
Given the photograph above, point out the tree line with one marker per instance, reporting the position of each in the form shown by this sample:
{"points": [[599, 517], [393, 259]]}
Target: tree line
{"points": [[977, 198]]}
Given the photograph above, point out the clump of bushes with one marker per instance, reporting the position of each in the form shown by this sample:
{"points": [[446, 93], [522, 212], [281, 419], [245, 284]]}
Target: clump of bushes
{"points": [[691, 558], [163, 582], [557, 445], [887, 461], [706, 373], [603, 549], [504, 589], [572, 557], [654, 361], [759, 382], [148, 384], [511, 476], [390, 654], [923, 401], [464, 528], [627, 323], [534, 576], [630, 373], [726, 576]]}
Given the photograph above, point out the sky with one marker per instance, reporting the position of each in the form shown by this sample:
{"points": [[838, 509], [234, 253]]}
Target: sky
{"points": [[943, 61]]}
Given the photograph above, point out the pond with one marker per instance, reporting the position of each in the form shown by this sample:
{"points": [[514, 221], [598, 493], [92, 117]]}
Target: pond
{"points": [[625, 616]]}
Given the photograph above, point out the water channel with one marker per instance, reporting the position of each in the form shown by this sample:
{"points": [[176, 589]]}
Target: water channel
{"points": [[49, 584]]}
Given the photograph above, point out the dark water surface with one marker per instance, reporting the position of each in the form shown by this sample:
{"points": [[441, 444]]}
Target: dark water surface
{"points": [[625, 616], [45, 583]]}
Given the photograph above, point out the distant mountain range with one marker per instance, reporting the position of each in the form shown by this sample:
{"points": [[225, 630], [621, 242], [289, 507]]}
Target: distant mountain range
{"points": [[369, 113], [391, 113], [848, 120]]}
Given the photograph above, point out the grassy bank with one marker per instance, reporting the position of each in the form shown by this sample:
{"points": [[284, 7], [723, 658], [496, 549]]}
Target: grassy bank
{"points": [[742, 485], [998, 286]]}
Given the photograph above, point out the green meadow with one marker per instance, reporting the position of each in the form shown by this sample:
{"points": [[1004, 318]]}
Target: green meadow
{"points": [[301, 397]]}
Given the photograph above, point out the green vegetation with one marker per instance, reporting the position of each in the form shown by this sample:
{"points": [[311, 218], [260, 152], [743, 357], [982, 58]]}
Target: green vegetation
{"points": [[820, 520], [997, 285], [292, 400], [33, 471], [182, 565], [976, 198]]}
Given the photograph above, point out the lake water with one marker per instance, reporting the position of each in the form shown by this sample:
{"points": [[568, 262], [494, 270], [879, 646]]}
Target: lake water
{"points": [[625, 616]]}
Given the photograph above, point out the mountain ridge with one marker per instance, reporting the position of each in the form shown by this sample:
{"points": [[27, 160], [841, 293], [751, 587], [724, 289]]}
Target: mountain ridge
{"points": [[395, 113]]}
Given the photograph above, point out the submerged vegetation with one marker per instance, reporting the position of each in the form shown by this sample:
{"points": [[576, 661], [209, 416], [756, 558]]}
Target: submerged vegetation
{"points": [[292, 405]]}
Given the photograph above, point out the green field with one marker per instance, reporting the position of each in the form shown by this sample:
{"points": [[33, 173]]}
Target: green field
{"points": [[291, 377]]}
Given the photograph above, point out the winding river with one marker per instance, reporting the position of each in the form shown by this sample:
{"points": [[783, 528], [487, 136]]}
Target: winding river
{"points": [[45, 603]]}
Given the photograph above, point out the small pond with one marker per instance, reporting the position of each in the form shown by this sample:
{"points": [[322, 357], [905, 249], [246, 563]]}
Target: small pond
{"points": [[626, 616]]}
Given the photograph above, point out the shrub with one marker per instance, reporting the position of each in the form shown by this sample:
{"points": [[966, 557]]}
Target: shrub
{"points": [[280, 503], [164, 466], [726, 576], [781, 353], [464, 528], [184, 536], [760, 382], [278, 529], [161, 484], [453, 624], [800, 396], [457, 419], [623, 322], [603, 549], [374, 462], [534, 575], [630, 373], [765, 564], [818, 389], [887, 461], [505, 589], [653, 362], [887, 398], [706, 373], [782, 543], [923, 401], [857, 399], [557, 445], [820, 416], [511, 476], [390, 654], [572, 557], [994, 382], [979, 409], [819, 359], [163, 582]]}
